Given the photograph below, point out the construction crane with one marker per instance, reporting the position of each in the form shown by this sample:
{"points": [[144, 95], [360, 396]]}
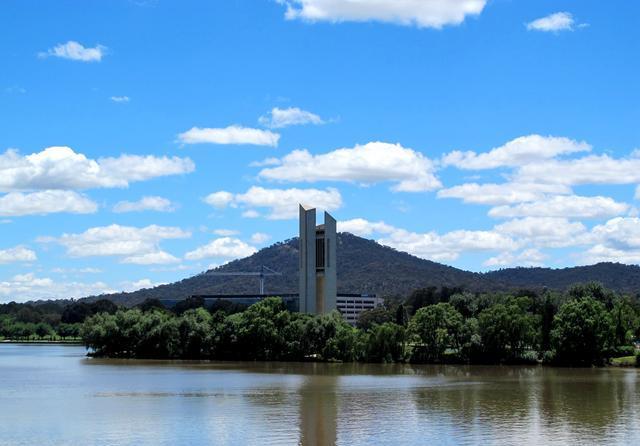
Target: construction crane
{"points": [[263, 273]]}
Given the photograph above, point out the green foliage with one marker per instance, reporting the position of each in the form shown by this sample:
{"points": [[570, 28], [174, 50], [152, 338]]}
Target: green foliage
{"points": [[582, 332], [376, 316], [437, 328], [385, 343], [506, 330]]}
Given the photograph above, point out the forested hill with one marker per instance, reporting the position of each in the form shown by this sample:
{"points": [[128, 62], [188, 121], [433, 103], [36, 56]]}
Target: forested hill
{"points": [[616, 276], [365, 266]]}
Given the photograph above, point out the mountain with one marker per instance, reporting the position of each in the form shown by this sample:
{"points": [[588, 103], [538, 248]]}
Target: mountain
{"points": [[365, 266], [616, 276]]}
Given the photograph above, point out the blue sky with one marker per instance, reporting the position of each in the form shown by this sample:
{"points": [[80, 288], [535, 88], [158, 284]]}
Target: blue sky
{"points": [[142, 141]]}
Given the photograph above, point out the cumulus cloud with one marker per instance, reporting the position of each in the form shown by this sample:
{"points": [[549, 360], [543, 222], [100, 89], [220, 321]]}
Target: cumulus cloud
{"points": [[152, 203], [73, 50], [233, 134], [259, 238], [280, 118], [152, 258], [17, 204], [559, 21], [17, 254], [371, 163], [528, 257], [226, 247], [431, 245], [139, 284], [518, 152], [24, 287], [62, 168], [281, 203], [617, 240], [594, 169], [504, 193], [134, 245], [220, 199], [226, 232], [552, 232], [420, 13], [569, 206]]}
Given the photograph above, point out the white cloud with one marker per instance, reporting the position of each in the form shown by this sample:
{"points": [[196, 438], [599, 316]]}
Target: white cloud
{"points": [[251, 213], [528, 257], [16, 204], [280, 118], [24, 287], [152, 203], [559, 21], [637, 193], [226, 232], [595, 169], [364, 228], [431, 245], [370, 163], [120, 99], [17, 254], [282, 203], [570, 206], [152, 258], [420, 13], [617, 240], [225, 247], [259, 238], [135, 245], [62, 168], [233, 134], [219, 200], [87, 270], [517, 152], [75, 51], [549, 232], [139, 284], [504, 193]]}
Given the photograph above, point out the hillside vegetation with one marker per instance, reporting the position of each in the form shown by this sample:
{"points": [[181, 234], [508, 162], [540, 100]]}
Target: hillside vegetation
{"points": [[365, 266]]}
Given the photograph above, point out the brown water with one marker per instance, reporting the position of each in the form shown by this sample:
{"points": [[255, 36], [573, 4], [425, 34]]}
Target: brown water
{"points": [[53, 395]]}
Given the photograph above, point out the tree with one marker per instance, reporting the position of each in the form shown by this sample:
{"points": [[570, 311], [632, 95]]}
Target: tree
{"points": [[506, 330], [385, 343], [377, 315], [437, 328], [195, 333], [581, 332], [625, 321], [42, 330], [150, 305], [594, 290]]}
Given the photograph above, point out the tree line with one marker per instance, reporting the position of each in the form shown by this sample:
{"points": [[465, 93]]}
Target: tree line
{"points": [[49, 320], [585, 326]]}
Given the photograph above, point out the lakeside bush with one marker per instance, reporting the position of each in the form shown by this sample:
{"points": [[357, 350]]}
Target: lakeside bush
{"points": [[572, 329], [587, 325]]}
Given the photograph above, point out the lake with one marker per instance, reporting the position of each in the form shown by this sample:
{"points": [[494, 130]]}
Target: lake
{"points": [[55, 395]]}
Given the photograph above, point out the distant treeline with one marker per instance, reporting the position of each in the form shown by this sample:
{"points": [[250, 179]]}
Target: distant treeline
{"points": [[588, 325], [50, 321]]}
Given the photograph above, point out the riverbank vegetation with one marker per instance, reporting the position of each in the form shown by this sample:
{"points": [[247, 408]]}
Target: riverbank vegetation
{"points": [[48, 321], [588, 325]]}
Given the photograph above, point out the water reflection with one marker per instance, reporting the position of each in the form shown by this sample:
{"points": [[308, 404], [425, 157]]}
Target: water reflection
{"points": [[53, 395]]}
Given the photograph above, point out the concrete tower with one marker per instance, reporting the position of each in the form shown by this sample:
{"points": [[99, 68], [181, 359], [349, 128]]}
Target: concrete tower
{"points": [[318, 272]]}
